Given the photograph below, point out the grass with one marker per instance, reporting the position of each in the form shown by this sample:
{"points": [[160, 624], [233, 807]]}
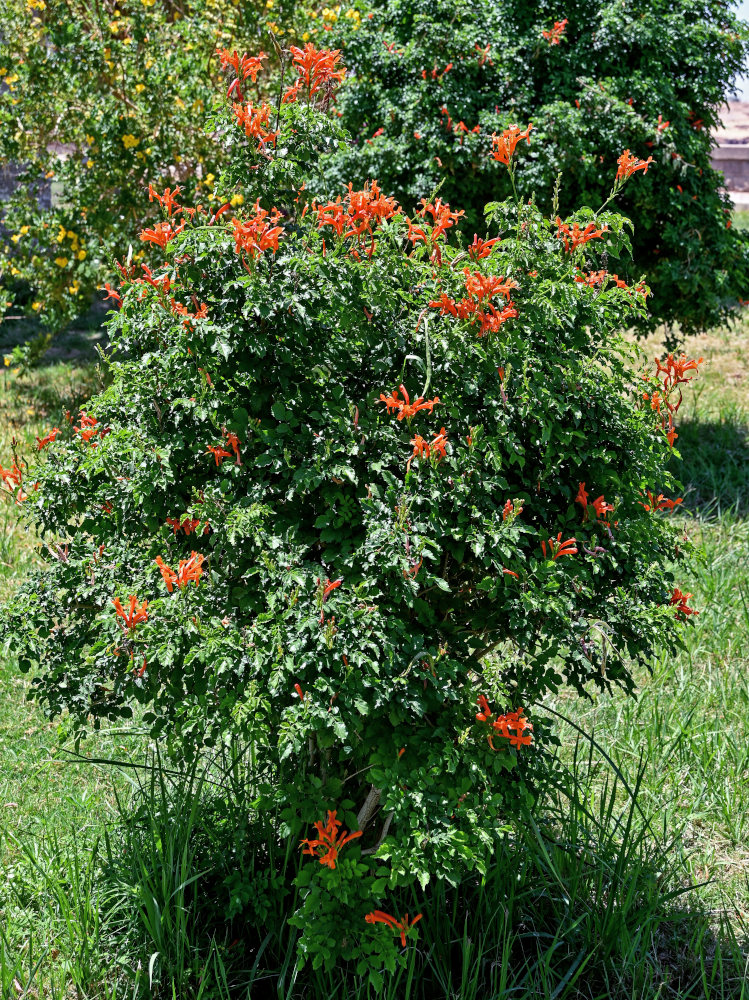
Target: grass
{"points": [[99, 895]]}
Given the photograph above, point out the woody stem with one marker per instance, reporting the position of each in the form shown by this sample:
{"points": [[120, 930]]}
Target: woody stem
{"points": [[369, 808], [428, 359]]}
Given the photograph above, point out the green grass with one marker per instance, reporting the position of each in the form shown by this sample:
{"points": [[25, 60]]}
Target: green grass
{"points": [[631, 881]]}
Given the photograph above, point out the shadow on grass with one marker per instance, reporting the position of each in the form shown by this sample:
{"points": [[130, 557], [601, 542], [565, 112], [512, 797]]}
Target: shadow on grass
{"points": [[715, 463], [76, 344], [582, 900]]}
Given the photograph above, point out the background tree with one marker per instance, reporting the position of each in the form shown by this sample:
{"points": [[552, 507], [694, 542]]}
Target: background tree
{"points": [[431, 80]]}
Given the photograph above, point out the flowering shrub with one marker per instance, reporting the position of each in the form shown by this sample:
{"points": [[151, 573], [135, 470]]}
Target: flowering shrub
{"points": [[333, 507], [431, 81]]}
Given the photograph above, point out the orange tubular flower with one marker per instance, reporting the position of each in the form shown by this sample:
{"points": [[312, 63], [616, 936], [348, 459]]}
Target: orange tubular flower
{"points": [[405, 408], [627, 164], [161, 233], [481, 248], [112, 294], [167, 200], [134, 615], [256, 122], [680, 600], [503, 724], [554, 35], [47, 439], [660, 502], [399, 926], [254, 236], [503, 145], [582, 499], [329, 840], [558, 548], [12, 476], [218, 453], [189, 571], [574, 237], [316, 69], [188, 525], [601, 507]]}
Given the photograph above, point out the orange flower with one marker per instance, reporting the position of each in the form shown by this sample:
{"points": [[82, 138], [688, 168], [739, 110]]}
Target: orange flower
{"points": [[503, 725], [405, 408], [47, 439], [484, 713], [12, 476], [628, 164], [218, 452], [329, 840], [300, 693], [244, 66], [256, 122], [433, 449], [188, 525], [233, 441], [167, 200], [481, 248], [399, 926], [582, 498], [254, 236], [503, 145], [161, 233], [575, 237], [316, 69], [189, 570], [680, 600], [554, 35], [660, 502], [558, 548], [134, 615], [112, 294], [601, 507]]}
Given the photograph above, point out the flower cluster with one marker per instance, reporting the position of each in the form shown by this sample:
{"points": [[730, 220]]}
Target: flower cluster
{"points": [[574, 236], [359, 215], [512, 725], [244, 66], [405, 409], [257, 234], [189, 571], [255, 120], [317, 70], [330, 840], [399, 926], [503, 145], [476, 305], [555, 35], [666, 399]]}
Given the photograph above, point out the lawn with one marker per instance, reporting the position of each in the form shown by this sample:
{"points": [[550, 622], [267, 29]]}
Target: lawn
{"points": [[661, 781]]}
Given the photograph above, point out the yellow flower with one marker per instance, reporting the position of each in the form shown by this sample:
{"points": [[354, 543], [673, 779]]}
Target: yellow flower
{"points": [[148, 3], [89, 163], [3, 70], [139, 88], [127, 41], [61, 261], [7, 361], [74, 288], [36, 306], [179, 102], [23, 230], [129, 141], [14, 271], [237, 200], [270, 4], [148, 63], [90, 140], [36, 5], [50, 173], [12, 79], [115, 26], [209, 179], [71, 235], [61, 234], [15, 237], [305, 36], [81, 255]]}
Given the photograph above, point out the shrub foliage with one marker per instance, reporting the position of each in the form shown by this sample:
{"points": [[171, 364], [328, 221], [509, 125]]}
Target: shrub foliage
{"points": [[357, 495]]}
